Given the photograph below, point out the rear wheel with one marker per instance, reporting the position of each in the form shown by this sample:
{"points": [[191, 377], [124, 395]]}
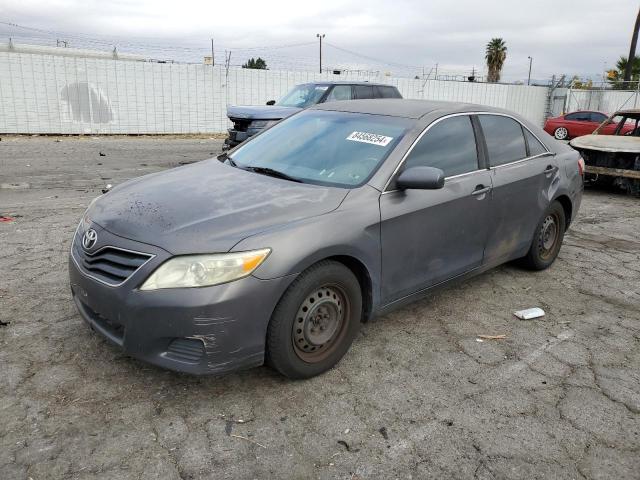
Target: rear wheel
{"points": [[315, 321], [561, 133], [547, 239]]}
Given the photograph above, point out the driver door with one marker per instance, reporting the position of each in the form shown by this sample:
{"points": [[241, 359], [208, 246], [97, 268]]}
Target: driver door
{"points": [[430, 236]]}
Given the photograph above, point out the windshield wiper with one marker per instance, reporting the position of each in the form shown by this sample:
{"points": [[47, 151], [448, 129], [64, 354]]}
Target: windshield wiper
{"points": [[273, 173]]}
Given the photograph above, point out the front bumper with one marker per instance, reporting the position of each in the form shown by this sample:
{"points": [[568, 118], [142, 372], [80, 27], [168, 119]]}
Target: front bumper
{"points": [[208, 330], [236, 137]]}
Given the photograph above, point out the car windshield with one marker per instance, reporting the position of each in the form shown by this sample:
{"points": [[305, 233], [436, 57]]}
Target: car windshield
{"points": [[303, 96], [629, 124], [324, 147]]}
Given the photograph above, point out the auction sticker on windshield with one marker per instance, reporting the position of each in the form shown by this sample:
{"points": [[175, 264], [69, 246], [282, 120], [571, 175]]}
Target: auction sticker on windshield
{"points": [[370, 138]]}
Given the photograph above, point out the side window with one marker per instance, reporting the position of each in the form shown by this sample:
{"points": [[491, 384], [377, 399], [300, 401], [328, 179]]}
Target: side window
{"points": [[364, 91], [504, 139], [339, 92], [388, 92], [535, 147], [579, 116], [449, 145], [598, 117]]}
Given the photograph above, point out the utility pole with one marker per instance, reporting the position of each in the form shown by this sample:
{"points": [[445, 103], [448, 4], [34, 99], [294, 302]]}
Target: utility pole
{"points": [[319, 36], [632, 49], [213, 60], [529, 77]]}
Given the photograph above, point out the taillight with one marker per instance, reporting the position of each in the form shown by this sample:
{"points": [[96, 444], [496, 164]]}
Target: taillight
{"points": [[581, 166]]}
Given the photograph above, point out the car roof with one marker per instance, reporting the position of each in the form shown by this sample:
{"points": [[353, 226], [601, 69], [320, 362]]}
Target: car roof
{"points": [[346, 82], [396, 107], [629, 111]]}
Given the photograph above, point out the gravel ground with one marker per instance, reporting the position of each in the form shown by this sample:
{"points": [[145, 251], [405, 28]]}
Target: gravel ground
{"points": [[418, 396]]}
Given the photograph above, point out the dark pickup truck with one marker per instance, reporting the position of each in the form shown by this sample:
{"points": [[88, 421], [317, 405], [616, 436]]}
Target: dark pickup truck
{"points": [[249, 120]]}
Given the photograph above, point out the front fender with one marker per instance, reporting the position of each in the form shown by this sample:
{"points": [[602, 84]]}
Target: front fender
{"points": [[352, 230]]}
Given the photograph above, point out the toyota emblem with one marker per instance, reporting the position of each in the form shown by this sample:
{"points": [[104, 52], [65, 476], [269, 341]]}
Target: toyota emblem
{"points": [[89, 239]]}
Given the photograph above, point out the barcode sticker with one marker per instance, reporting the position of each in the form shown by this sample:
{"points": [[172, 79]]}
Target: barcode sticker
{"points": [[371, 138]]}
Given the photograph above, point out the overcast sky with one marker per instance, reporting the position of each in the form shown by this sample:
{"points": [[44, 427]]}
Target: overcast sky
{"points": [[573, 37]]}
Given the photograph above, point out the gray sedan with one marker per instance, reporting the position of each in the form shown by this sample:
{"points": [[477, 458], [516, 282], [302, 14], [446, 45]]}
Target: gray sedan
{"points": [[279, 250]]}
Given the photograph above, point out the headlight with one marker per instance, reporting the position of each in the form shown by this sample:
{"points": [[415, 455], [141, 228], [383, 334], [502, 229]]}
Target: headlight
{"points": [[205, 270]]}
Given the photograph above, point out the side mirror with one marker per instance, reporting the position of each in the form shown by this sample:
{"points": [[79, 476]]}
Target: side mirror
{"points": [[271, 102], [421, 178]]}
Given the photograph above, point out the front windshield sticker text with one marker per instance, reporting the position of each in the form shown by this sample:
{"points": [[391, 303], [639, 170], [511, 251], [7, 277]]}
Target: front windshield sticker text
{"points": [[370, 138]]}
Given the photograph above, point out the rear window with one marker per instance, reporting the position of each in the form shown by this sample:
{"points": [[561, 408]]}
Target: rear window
{"points": [[504, 139]]}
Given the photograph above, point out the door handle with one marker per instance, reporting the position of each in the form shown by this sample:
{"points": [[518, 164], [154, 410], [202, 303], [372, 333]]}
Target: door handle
{"points": [[480, 189], [550, 169]]}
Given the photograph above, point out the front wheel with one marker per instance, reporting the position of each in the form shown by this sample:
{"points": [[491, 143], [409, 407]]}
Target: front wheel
{"points": [[561, 133], [547, 239], [315, 322]]}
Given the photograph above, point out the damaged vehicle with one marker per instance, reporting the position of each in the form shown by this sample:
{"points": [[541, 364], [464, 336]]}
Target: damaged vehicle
{"points": [[613, 158], [250, 120], [279, 250]]}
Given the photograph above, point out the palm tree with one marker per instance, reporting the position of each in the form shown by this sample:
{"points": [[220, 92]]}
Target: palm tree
{"points": [[496, 54], [615, 76]]}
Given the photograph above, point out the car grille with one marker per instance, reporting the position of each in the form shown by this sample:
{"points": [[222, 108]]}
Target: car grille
{"points": [[109, 265], [186, 350], [240, 124]]}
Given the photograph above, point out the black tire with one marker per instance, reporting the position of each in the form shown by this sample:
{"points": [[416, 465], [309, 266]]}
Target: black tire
{"points": [[547, 239], [324, 300]]}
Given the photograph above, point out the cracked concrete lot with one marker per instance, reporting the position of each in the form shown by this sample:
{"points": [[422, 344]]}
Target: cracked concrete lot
{"points": [[418, 396]]}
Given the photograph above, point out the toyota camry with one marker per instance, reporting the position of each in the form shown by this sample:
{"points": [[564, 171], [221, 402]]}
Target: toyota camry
{"points": [[277, 251]]}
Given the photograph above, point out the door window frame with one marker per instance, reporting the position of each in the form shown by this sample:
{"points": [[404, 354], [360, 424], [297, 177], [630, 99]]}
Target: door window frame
{"points": [[481, 146], [479, 151]]}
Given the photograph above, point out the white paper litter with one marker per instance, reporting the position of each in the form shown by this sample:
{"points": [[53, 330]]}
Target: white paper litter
{"points": [[529, 313]]}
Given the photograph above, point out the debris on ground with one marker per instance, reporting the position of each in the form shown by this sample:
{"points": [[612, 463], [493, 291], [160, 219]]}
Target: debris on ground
{"points": [[6, 219], [4, 324], [529, 313], [102, 154], [492, 337], [384, 433], [107, 188], [348, 447]]}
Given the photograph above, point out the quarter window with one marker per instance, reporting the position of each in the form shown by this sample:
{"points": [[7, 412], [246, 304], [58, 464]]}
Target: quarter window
{"points": [[449, 145], [535, 147], [504, 139], [598, 117]]}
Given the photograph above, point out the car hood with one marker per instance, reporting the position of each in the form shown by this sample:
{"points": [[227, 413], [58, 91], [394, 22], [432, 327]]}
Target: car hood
{"points": [[607, 143], [207, 206], [267, 112]]}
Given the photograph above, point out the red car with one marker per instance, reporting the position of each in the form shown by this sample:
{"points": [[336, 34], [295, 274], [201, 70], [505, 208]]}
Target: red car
{"points": [[577, 124]]}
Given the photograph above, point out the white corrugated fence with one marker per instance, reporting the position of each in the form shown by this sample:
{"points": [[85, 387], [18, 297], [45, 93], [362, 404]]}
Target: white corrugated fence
{"points": [[53, 94]]}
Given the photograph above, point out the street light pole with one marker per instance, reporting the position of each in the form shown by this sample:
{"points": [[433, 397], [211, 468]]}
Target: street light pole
{"points": [[529, 77], [320, 37]]}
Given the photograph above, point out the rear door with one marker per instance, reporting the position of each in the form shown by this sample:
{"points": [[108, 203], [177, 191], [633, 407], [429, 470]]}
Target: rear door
{"points": [[429, 236], [522, 170]]}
